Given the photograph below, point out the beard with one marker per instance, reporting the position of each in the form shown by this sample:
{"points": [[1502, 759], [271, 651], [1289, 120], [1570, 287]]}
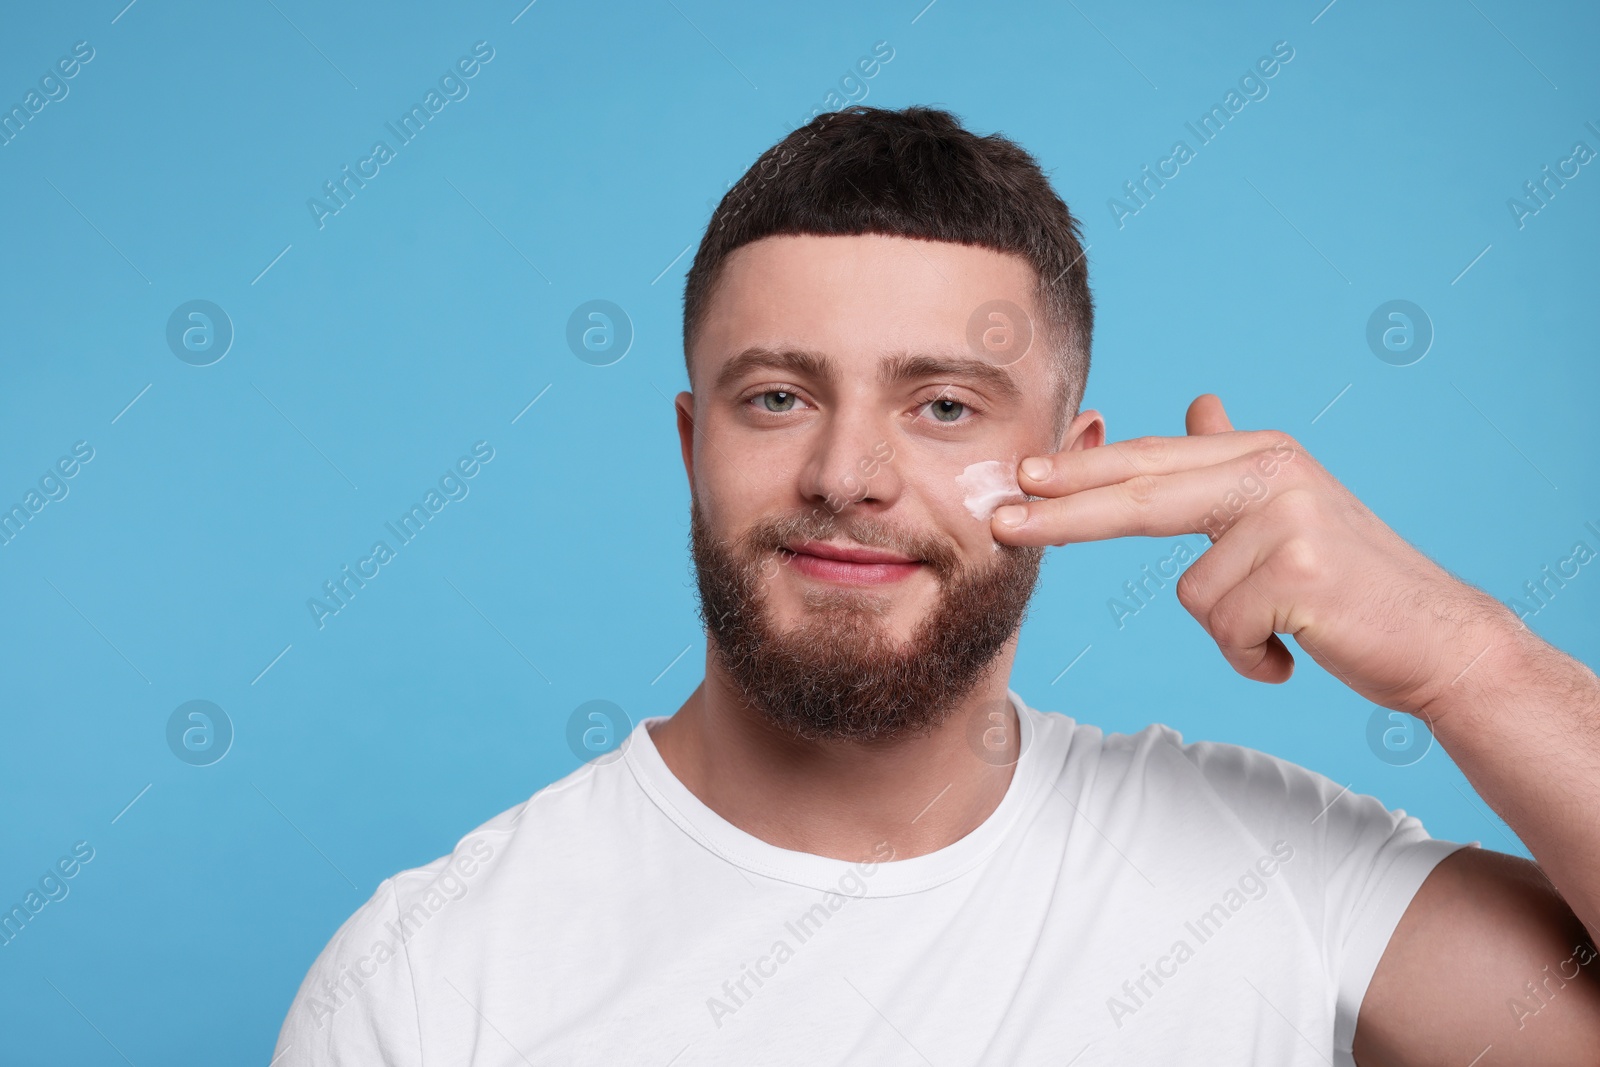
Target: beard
{"points": [[839, 675]]}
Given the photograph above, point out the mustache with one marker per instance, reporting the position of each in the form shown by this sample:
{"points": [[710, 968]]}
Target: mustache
{"points": [[772, 535], [835, 675]]}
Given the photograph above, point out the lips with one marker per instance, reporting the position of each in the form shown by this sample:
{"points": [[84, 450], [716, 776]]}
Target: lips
{"points": [[850, 564], [848, 553]]}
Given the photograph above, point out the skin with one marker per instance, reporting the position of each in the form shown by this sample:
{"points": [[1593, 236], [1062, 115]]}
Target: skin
{"points": [[885, 296], [1303, 557], [1520, 718]]}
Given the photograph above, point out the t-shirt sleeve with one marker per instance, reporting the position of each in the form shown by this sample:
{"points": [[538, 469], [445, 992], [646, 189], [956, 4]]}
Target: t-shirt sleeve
{"points": [[357, 1004], [1363, 861]]}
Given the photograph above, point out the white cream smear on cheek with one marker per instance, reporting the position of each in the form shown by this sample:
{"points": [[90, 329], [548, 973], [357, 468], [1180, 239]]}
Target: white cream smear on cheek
{"points": [[987, 485]]}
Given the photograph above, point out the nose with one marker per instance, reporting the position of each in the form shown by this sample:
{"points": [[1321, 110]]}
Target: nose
{"points": [[851, 462]]}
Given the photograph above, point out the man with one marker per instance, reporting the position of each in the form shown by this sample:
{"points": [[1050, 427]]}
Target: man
{"points": [[854, 843]]}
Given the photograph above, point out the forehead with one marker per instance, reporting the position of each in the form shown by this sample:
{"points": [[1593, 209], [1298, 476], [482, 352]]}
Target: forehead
{"points": [[856, 296]]}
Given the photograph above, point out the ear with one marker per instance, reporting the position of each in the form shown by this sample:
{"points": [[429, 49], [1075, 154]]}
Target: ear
{"points": [[1086, 430], [684, 402]]}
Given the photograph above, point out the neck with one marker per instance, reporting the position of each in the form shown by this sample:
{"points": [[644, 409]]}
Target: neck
{"points": [[842, 799]]}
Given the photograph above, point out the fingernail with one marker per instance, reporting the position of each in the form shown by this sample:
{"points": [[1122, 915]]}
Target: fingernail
{"points": [[1012, 514], [1036, 468]]}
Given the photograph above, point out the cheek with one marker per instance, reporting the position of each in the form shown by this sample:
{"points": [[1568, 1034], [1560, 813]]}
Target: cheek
{"points": [[984, 486], [726, 467], [957, 499], [740, 486]]}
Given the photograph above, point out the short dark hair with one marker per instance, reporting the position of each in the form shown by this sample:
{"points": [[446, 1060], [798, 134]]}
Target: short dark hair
{"points": [[913, 172]]}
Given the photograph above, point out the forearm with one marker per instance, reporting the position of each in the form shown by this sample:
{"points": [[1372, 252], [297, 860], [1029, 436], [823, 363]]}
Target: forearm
{"points": [[1523, 723]]}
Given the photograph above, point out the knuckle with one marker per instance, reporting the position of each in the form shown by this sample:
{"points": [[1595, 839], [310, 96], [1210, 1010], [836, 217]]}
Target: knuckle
{"points": [[1225, 625], [1298, 508], [1274, 443], [1150, 451], [1141, 491], [1214, 523], [1191, 590], [1284, 445], [1138, 497], [1298, 559]]}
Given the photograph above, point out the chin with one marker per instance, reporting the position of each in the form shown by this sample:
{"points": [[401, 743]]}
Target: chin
{"points": [[900, 608]]}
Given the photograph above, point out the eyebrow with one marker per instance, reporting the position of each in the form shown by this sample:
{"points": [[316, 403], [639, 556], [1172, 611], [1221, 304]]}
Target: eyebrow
{"points": [[798, 362], [908, 367], [902, 367]]}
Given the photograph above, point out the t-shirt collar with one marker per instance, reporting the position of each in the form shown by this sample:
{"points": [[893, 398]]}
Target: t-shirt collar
{"points": [[881, 878]]}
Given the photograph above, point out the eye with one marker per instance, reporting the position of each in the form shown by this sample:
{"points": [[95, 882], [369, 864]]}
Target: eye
{"points": [[949, 410], [776, 401]]}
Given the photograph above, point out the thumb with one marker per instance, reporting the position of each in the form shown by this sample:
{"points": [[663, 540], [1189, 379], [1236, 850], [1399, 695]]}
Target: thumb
{"points": [[1205, 415]]}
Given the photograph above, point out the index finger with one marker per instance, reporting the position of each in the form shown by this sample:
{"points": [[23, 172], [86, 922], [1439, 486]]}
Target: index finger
{"points": [[1145, 505], [1117, 461]]}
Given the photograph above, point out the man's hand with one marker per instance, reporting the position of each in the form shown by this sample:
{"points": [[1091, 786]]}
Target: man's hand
{"points": [[1294, 553]]}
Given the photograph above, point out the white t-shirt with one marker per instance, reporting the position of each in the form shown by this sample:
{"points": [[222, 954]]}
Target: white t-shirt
{"points": [[1132, 898]]}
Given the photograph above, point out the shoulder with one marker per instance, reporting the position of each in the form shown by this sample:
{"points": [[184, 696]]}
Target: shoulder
{"points": [[565, 829], [1158, 780], [352, 1002], [1156, 764], [1356, 862], [358, 1002]]}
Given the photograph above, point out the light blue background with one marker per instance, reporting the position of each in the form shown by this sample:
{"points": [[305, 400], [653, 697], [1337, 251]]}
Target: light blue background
{"points": [[431, 310]]}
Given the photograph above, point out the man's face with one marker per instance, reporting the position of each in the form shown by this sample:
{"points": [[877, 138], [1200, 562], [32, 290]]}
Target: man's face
{"points": [[848, 586]]}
